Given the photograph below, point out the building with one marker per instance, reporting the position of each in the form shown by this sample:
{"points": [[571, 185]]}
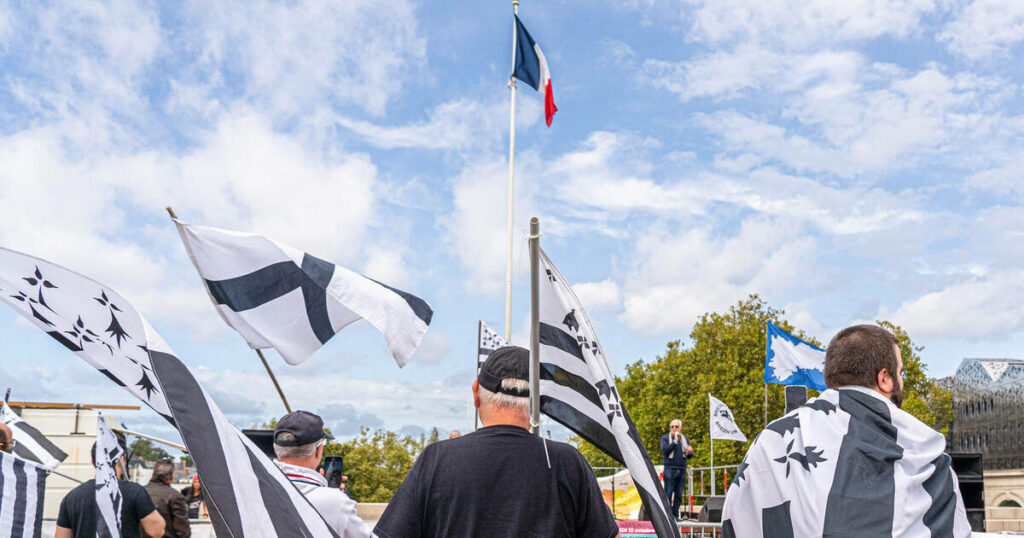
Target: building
{"points": [[988, 399]]}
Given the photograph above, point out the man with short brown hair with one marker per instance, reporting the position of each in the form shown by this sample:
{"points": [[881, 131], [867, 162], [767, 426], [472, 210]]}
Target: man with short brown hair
{"points": [[849, 462]]}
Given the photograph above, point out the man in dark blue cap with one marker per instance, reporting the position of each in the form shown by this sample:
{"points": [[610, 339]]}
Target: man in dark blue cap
{"points": [[500, 480], [299, 440]]}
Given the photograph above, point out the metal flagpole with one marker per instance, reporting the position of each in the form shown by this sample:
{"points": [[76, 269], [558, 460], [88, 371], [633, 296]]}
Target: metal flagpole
{"points": [[479, 334], [766, 405], [711, 434], [535, 325], [258, 352], [511, 181]]}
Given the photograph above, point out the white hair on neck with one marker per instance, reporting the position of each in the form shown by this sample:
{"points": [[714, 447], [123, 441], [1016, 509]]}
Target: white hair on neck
{"points": [[508, 401], [293, 452]]}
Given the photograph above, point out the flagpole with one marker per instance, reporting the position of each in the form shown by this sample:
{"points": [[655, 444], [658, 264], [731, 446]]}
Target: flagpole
{"points": [[535, 325], [511, 181], [479, 334], [711, 434], [766, 405], [258, 352]]}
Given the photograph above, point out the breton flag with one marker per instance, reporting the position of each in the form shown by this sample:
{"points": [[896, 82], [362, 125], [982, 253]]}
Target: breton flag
{"points": [[277, 296], [247, 494], [108, 492], [22, 485], [723, 425], [29, 443], [578, 391], [532, 68], [849, 459], [791, 361], [489, 341]]}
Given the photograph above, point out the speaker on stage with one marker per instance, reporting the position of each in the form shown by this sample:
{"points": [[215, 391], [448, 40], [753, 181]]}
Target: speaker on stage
{"points": [[795, 397], [264, 439], [970, 475], [711, 512]]}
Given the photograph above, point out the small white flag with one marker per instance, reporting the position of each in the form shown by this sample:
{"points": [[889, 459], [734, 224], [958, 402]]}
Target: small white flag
{"points": [[489, 341], [29, 443], [108, 492], [723, 425]]}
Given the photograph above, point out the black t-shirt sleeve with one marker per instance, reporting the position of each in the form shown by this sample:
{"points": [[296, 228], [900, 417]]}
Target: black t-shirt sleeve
{"points": [[142, 505], [593, 518], [404, 515], [63, 517]]}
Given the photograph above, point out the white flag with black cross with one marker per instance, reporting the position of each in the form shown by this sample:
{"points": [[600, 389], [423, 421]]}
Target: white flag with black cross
{"points": [[277, 296], [246, 493], [29, 443], [578, 391]]}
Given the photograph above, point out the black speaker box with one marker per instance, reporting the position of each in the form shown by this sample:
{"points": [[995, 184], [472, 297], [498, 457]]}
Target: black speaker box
{"points": [[264, 439], [711, 512], [970, 474]]}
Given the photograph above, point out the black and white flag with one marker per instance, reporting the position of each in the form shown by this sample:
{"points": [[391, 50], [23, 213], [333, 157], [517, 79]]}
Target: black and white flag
{"points": [[723, 425], [29, 443], [247, 494], [108, 492], [489, 341], [277, 296], [22, 485], [578, 391], [849, 459]]}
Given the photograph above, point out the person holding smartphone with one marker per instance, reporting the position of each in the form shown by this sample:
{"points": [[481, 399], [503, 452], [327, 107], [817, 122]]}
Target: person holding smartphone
{"points": [[675, 449]]}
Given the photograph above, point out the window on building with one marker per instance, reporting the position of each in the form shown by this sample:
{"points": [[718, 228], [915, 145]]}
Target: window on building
{"points": [[1009, 503]]}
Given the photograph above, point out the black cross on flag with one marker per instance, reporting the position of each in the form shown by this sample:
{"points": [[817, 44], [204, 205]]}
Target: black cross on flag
{"points": [[277, 296]]}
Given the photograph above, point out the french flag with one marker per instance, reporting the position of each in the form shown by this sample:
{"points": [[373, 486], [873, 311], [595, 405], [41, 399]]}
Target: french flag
{"points": [[532, 68]]}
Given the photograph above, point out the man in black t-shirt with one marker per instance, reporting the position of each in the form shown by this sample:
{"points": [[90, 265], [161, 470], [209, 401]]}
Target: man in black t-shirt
{"points": [[78, 510], [500, 480]]}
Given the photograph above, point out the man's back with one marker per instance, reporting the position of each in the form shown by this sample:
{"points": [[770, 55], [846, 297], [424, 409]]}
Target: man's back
{"points": [[171, 505], [78, 509], [497, 482]]}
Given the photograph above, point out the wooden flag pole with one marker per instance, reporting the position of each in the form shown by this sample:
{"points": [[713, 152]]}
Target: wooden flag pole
{"points": [[535, 325], [258, 352]]}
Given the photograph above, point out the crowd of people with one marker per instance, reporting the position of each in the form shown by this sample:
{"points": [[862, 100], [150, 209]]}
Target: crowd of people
{"points": [[501, 480]]}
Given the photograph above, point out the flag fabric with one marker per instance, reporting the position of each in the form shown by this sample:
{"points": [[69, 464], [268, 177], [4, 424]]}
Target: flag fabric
{"points": [[489, 341], [791, 361], [108, 492], [849, 459], [277, 296], [247, 494], [22, 486], [532, 68], [29, 443], [723, 425], [578, 391]]}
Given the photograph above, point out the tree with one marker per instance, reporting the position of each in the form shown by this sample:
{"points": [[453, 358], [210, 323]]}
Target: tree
{"points": [[144, 450], [923, 397], [376, 463]]}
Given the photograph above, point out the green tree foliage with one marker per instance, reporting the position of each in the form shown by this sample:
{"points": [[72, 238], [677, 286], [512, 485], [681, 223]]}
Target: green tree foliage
{"points": [[144, 449], [726, 359], [923, 397], [376, 463]]}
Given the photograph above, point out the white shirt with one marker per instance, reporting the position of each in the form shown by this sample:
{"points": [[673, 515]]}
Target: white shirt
{"points": [[337, 509]]}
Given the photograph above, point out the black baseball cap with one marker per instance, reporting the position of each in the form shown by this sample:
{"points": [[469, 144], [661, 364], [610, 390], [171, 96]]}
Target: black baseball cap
{"points": [[304, 426], [509, 362]]}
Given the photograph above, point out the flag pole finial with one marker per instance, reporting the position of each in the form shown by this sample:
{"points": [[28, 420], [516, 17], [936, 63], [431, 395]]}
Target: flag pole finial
{"points": [[171, 212]]}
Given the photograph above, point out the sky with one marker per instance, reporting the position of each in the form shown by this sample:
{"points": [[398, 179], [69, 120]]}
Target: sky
{"points": [[848, 161]]}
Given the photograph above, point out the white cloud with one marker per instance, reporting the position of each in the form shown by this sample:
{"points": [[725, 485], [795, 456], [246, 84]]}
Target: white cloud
{"points": [[985, 28], [987, 307], [595, 296], [681, 274]]}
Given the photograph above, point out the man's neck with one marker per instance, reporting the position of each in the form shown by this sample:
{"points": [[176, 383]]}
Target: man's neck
{"points": [[298, 463], [505, 419]]}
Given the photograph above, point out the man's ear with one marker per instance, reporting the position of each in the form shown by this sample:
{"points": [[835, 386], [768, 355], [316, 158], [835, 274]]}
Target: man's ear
{"points": [[476, 394], [884, 381]]}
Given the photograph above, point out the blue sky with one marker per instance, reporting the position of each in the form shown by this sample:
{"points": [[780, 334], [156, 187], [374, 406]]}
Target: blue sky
{"points": [[848, 161]]}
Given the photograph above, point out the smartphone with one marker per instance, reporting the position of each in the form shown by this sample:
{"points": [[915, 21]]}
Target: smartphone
{"points": [[333, 467]]}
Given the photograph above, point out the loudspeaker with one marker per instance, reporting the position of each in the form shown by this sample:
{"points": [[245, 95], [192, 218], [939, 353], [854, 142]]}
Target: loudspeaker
{"points": [[795, 397], [263, 439], [711, 512], [970, 474]]}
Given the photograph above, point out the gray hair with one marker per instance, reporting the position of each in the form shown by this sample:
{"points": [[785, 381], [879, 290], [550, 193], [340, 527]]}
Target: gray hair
{"points": [[293, 452], [163, 470], [508, 401]]}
